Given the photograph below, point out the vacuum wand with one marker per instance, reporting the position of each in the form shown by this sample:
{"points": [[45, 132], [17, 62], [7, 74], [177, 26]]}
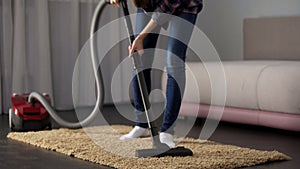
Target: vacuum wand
{"points": [[159, 149], [138, 67]]}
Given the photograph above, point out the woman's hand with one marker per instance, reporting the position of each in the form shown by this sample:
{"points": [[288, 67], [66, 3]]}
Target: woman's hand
{"points": [[137, 45], [115, 3]]}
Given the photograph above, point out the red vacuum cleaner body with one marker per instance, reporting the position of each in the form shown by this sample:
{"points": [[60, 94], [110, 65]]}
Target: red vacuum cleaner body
{"points": [[25, 116]]}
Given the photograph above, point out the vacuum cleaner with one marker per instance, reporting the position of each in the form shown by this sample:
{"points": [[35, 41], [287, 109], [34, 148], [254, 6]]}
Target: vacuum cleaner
{"points": [[35, 99], [25, 116], [32, 111]]}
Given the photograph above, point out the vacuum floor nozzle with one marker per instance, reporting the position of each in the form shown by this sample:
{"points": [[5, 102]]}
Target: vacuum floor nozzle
{"points": [[158, 152]]}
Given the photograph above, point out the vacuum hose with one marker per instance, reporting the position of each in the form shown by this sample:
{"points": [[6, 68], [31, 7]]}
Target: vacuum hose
{"points": [[98, 78]]}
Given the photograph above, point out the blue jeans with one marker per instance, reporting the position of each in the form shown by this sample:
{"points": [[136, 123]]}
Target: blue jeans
{"points": [[175, 65]]}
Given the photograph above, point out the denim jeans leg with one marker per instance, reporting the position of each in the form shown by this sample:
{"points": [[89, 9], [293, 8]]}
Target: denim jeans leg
{"points": [[175, 64], [147, 59]]}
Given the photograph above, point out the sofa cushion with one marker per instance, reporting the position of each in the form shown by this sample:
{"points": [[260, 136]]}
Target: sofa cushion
{"points": [[278, 87], [259, 85]]}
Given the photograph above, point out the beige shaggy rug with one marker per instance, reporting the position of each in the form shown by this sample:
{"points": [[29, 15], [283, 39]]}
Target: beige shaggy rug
{"points": [[101, 145]]}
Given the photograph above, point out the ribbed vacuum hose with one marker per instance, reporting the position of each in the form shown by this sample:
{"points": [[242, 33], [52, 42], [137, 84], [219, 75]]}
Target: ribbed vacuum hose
{"points": [[98, 78]]}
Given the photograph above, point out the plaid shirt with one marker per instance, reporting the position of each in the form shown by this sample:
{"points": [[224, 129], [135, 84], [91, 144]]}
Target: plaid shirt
{"points": [[172, 6]]}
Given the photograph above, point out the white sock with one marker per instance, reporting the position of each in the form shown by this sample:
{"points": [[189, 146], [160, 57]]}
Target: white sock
{"points": [[136, 132], [167, 139]]}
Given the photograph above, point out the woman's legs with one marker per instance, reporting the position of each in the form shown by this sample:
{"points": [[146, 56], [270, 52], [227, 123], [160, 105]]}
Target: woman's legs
{"points": [[179, 37], [147, 60], [176, 74]]}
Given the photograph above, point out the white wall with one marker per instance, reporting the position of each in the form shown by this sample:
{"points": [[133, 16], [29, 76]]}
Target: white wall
{"points": [[222, 21]]}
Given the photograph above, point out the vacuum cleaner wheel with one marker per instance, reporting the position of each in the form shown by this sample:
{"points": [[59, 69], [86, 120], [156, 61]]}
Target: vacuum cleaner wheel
{"points": [[10, 114], [14, 122]]}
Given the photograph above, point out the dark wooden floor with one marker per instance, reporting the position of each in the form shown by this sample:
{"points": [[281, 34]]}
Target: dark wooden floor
{"points": [[16, 155]]}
